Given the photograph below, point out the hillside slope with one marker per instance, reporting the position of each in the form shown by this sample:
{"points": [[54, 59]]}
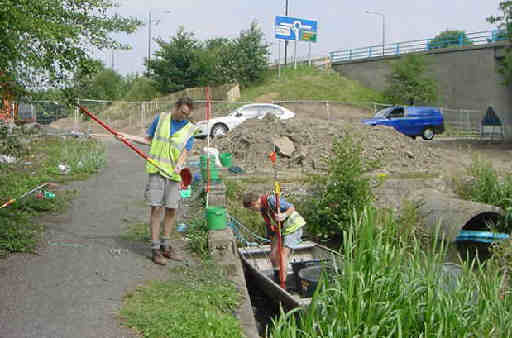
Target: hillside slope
{"points": [[306, 83]]}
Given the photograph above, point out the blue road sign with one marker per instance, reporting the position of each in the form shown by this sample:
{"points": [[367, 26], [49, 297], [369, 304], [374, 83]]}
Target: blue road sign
{"points": [[288, 28]]}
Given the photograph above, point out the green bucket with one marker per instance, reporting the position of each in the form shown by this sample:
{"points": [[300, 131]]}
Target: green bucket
{"points": [[225, 159], [216, 218], [203, 164], [186, 193]]}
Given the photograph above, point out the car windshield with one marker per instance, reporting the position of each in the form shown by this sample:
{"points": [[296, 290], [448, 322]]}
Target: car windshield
{"points": [[384, 112]]}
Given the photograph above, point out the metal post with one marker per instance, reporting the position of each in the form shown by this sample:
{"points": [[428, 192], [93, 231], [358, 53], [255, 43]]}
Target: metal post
{"points": [[309, 53], [279, 59], [149, 41], [285, 41], [295, 54], [383, 34], [142, 115], [75, 122], [328, 110], [383, 30]]}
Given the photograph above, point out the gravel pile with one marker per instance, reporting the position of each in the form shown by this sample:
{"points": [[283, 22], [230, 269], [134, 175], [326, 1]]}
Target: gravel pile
{"points": [[251, 142]]}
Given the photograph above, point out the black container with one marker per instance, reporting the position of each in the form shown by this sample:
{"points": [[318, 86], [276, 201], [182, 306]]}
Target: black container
{"points": [[297, 266], [309, 278]]}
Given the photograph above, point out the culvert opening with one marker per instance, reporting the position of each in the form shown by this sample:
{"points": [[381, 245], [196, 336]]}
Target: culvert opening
{"points": [[479, 233]]}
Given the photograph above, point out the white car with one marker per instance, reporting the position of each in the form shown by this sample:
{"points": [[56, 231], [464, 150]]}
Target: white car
{"points": [[221, 125]]}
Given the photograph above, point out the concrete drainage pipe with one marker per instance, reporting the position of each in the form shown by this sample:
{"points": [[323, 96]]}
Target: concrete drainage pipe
{"points": [[452, 215]]}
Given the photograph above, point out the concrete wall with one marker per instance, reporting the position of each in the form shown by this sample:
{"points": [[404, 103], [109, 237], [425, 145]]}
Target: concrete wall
{"points": [[467, 78]]}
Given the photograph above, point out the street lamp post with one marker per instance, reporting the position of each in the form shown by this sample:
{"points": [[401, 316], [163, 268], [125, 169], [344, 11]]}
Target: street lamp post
{"points": [[383, 28], [285, 41], [149, 38]]}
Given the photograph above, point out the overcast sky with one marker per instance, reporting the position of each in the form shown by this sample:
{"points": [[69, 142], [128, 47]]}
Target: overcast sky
{"points": [[341, 24]]}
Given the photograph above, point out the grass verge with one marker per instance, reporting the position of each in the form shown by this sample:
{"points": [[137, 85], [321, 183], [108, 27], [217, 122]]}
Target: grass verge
{"points": [[200, 303], [308, 83], [18, 230]]}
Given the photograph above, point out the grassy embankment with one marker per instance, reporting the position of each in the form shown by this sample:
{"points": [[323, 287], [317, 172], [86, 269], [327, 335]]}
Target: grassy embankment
{"points": [[194, 302], [306, 83], [37, 164]]}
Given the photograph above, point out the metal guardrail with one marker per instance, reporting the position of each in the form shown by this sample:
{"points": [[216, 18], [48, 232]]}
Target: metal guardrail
{"points": [[415, 46]]}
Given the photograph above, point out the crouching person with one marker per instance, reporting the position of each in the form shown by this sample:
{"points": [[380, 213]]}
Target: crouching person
{"points": [[292, 224]]}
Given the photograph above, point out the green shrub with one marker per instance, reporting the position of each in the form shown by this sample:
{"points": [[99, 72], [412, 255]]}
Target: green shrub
{"points": [[336, 195], [197, 235], [10, 141], [485, 185], [385, 290]]}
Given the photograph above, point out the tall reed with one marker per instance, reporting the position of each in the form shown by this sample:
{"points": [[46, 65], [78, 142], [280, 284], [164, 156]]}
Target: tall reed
{"points": [[390, 288]]}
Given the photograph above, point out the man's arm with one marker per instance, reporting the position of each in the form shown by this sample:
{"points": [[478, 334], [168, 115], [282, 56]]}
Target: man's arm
{"points": [[181, 160], [145, 140]]}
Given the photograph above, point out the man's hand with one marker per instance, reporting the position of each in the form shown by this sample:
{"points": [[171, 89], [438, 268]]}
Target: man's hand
{"points": [[178, 168], [280, 217], [121, 137]]}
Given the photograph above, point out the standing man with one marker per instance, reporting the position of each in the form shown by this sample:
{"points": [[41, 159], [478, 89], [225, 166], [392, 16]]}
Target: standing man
{"points": [[171, 138]]}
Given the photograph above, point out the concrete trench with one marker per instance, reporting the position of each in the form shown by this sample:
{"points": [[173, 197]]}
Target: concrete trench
{"points": [[223, 249], [438, 212]]}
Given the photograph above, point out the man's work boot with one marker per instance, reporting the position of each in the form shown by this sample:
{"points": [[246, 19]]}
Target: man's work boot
{"points": [[158, 258], [170, 253]]}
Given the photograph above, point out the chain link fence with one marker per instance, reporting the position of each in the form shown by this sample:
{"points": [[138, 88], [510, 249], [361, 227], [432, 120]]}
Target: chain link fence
{"points": [[137, 116], [42, 112]]}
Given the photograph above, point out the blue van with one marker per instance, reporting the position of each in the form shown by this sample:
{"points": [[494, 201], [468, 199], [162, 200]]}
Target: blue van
{"points": [[411, 121]]}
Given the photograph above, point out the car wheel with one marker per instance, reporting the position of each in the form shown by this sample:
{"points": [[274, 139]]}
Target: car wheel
{"points": [[428, 133], [219, 129]]}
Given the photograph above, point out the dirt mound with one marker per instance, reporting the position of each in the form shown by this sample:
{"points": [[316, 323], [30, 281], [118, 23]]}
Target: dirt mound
{"points": [[251, 142]]}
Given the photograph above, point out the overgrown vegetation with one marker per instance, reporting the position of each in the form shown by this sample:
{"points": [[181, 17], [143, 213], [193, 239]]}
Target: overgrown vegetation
{"points": [[10, 143], [485, 186], [335, 196], [504, 23], [185, 62], [197, 236], [449, 38], [235, 189], [196, 302], [409, 83], [309, 83], [384, 289], [18, 230]]}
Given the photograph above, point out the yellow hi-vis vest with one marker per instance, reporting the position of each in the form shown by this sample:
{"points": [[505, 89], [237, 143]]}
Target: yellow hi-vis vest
{"points": [[293, 223], [166, 149]]}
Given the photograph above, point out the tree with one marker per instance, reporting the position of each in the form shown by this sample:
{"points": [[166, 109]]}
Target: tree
{"points": [[141, 89], [106, 84], [504, 19], [251, 56], [409, 83], [185, 62], [46, 41], [504, 23], [448, 39], [177, 64]]}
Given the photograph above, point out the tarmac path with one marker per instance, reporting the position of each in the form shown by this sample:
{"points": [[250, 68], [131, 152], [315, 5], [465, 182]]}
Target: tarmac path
{"points": [[74, 286]]}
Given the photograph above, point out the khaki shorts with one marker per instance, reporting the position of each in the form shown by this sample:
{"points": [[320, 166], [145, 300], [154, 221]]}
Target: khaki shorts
{"points": [[162, 192], [292, 241]]}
